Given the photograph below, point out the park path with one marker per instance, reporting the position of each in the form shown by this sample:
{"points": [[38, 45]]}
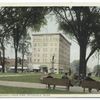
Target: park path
{"points": [[43, 86], [13, 75], [22, 84]]}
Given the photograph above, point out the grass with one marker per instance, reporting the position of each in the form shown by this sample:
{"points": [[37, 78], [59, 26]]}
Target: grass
{"points": [[28, 77], [24, 77], [96, 78], [8, 73], [17, 90]]}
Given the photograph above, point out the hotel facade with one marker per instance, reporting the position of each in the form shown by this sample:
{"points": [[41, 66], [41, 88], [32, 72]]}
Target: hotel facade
{"points": [[51, 52]]}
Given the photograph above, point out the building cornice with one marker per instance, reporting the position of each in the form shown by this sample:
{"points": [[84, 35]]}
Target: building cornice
{"points": [[41, 34]]}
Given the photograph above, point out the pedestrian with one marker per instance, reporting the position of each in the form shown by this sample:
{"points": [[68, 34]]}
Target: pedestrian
{"points": [[50, 76], [81, 78], [65, 76], [88, 78]]}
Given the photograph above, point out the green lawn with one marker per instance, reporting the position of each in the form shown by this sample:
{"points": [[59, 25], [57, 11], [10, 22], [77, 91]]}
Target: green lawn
{"points": [[96, 78], [16, 90], [28, 77], [24, 77], [8, 73]]}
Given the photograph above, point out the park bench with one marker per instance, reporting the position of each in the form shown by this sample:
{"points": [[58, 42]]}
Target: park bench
{"points": [[90, 84], [56, 82]]}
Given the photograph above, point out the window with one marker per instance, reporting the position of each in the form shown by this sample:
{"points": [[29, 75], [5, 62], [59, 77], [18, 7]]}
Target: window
{"points": [[34, 55], [45, 55], [38, 49], [38, 60], [56, 39], [35, 44], [55, 44], [34, 49], [51, 49], [38, 44], [38, 55], [55, 49], [34, 60], [45, 44], [44, 49]]}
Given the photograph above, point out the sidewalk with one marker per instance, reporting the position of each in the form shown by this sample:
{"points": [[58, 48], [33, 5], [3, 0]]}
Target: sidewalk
{"points": [[22, 84], [43, 86]]}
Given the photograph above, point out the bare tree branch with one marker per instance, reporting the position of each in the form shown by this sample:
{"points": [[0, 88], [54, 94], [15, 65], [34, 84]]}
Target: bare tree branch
{"points": [[67, 21], [90, 54]]}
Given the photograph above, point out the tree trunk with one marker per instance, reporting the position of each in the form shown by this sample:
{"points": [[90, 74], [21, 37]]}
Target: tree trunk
{"points": [[82, 62], [3, 60], [15, 60], [22, 56], [22, 61]]}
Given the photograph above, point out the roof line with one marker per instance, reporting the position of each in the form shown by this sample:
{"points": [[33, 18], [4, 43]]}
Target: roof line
{"points": [[52, 34]]}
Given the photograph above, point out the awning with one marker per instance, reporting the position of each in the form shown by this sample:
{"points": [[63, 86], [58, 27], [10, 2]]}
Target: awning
{"points": [[35, 66]]}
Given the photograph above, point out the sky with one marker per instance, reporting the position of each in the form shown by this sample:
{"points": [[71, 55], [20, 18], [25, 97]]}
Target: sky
{"points": [[52, 27]]}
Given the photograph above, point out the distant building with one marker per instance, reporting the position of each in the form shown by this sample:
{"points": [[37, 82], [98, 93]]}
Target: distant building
{"points": [[51, 52], [11, 62]]}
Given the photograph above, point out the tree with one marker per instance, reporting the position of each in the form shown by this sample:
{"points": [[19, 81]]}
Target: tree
{"points": [[75, 67], [19, 19], [24, 47], [95, 43], [79, 22], [4, 37], [96, 70], [2, 41]]}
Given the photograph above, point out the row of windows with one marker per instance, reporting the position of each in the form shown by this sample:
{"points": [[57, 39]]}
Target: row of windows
{"points": [[64, 57], [63, 62], [44, 44], [62, 40], [45, 38], [36, 60], [45, 60], [45, 49], [64, 51], [49, 56], [64, 46]]}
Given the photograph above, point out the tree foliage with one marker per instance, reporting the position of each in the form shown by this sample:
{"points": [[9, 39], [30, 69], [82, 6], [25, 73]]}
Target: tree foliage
{"points": [[75, 66], [96, 70], [80, 23], [19, 19], [4, 37], [24, 46]]}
